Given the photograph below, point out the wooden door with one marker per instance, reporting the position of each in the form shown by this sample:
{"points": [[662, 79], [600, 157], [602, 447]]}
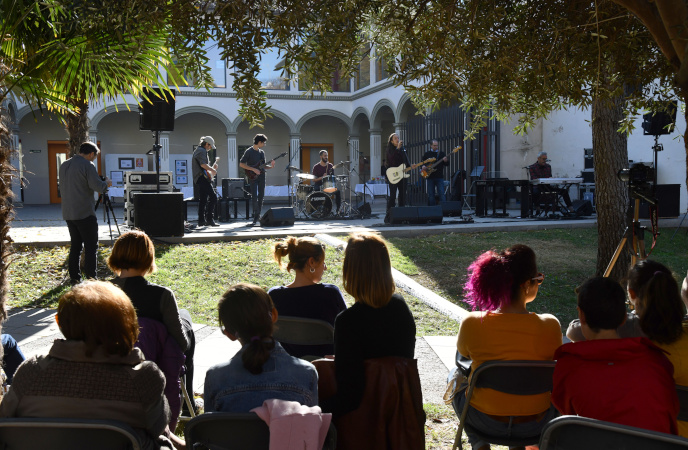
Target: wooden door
{"points": [[57, 154], [307, 163]]}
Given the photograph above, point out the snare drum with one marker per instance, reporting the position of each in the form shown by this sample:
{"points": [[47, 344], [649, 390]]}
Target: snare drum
{"points": [[318, 205], [329, 184], [302, 191]]}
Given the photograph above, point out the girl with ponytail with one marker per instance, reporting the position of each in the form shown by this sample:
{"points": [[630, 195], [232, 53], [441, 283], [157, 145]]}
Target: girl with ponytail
{"points": [[306, 296], [499, 287], [262, 369]]}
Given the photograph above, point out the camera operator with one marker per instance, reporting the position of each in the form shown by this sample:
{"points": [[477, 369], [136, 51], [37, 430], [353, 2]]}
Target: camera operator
{"points": [[79, 179]]}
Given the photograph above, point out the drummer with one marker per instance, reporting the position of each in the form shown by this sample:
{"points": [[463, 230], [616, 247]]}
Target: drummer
{"points": [[320, 171]]}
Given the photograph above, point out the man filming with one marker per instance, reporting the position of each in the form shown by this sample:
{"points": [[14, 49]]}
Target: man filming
{"points": [[79, 179]]}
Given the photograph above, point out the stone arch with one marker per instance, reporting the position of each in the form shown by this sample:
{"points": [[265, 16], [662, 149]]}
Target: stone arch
{"points": [[403, 101], [324, 112], [374, 116], [275, 113], [205, 110], [112, 109]]}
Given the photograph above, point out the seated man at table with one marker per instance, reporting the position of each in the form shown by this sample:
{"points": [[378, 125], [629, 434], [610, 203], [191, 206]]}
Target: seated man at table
{"points": [[543, 170]]}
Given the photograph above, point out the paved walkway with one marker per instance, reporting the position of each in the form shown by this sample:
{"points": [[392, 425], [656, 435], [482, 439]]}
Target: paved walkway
{"points": [[35, 329]]}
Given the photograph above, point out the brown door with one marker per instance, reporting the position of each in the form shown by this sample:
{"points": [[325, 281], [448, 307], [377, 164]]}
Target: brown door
{"points": [[57, 154], [306, 150]]}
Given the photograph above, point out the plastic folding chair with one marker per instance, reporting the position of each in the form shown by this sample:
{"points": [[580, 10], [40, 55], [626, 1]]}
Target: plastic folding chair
{"points": [[66, 434], [235, 431], [574, 432], [303, 331], [510, 377]]}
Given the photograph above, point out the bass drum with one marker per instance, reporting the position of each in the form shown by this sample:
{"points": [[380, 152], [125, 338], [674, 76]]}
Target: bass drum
{"points": [[329, 184], [318, 205]]}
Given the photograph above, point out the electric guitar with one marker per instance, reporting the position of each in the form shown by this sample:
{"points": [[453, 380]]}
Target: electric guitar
{"points": [[207, 174], [396, 174], [428, 170], [251, 176]]}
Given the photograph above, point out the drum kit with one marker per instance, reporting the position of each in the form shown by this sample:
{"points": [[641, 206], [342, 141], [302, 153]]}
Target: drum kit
{"points": [[321, 204]]}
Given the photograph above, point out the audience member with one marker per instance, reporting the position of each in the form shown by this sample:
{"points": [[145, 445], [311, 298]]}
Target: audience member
{"points": [[306, 296], [621, 380], [12, 356], [499, 287], [133, 257], [261, 370], [379, 323], [96, 373]]}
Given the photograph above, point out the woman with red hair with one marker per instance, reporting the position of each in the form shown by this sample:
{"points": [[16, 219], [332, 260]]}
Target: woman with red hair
{"points": [[499, 287]]}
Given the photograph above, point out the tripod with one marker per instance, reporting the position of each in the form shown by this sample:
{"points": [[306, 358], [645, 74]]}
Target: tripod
{"points": [[104, 198], [636, 233]]}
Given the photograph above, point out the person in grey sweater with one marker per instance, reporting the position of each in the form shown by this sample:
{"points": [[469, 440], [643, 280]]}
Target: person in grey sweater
{"points": [[78, 180]]}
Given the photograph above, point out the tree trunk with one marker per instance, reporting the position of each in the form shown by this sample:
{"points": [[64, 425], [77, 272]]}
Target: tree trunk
{"points": [[611, 194], [6, 208], [77, 127]]}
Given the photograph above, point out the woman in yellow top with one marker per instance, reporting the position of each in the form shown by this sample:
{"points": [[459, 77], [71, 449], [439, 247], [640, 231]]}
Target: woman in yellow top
{"points": [[499, 287], [654, 293]]}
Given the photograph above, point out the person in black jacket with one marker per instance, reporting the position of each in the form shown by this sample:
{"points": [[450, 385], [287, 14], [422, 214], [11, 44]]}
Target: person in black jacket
{"points": [[435, 178], [396, 156]]}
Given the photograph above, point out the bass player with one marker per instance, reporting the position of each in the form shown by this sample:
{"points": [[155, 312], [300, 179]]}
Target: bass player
{"points": [[435, 172], [203, 174], [253, 161]]}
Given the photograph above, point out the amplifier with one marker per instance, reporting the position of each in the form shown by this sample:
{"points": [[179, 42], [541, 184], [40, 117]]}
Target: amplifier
{"points": [[160, 214], [146, 178], [131, 191], [234, 188]]}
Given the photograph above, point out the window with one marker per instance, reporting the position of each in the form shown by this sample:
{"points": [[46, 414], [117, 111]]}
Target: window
{"points": [[380, 69], [363, 76], [271, 71], [216, 64], [337, 84]]}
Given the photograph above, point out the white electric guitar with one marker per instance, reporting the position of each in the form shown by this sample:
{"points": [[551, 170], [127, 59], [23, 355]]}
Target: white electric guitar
{"points": [[395, 174]]}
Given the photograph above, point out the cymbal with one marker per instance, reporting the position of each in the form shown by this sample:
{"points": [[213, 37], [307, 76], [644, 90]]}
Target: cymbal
{"points": [[342, 176], [294, 168], [342, 163], [306, 176]]}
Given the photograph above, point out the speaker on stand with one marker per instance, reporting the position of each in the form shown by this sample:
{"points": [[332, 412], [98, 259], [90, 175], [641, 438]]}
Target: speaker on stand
{"points": [[156, 113]]}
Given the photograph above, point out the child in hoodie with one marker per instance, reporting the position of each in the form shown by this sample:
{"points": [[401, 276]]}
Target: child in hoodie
{"points": [[626, 381]]}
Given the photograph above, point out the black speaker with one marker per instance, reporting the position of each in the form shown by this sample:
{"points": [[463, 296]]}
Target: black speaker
{"points": [[364, 208], [451, 209], [668, 201], [233, 188], [159, 214], [430, 214], [157, 113], [656, 124], [582, 207], [275, 217]]}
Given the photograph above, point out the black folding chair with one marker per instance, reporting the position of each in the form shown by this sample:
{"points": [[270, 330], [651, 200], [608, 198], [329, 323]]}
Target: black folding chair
{"points": [[303, 331]]}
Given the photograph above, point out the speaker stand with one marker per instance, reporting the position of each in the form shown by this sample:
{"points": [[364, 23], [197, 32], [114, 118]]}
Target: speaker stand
{"points": [[156, 162]]}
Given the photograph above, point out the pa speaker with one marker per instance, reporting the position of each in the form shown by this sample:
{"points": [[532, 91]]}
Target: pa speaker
{"points": [[364, 208], [658, 123], [430, 214], [159, 214], [275, 217], [403, 214], [157, 113], [450, 209], [582, 207]]}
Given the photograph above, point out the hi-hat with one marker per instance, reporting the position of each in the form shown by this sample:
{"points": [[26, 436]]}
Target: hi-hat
{"points": [[306, 176], [342, 163], [294, 168]]}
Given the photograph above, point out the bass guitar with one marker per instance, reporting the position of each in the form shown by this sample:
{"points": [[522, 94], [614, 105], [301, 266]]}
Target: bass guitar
{"points": [[251, 176], [396, 174], [207, 174], [428, 170]]}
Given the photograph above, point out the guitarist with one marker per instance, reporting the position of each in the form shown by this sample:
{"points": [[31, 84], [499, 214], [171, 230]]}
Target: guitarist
{"points": [[253, 158], [207, 195], [396, 156], [436, 178]]}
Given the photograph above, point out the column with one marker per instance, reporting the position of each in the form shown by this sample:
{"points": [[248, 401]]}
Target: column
{"points": [[232, 163], [375, 151], [295, 150], [164, 152], [400, 130], [16, 162], [355, 177]]}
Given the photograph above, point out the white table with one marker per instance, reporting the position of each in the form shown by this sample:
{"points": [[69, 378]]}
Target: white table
{"points": [[277, 191], [374, 189]]}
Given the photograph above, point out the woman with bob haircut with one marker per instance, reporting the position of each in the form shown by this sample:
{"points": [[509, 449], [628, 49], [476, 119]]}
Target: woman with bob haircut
{"points": [[378, 324], [261, 370], [96, 373], [499, 287], [306, 296], [132, 258]]}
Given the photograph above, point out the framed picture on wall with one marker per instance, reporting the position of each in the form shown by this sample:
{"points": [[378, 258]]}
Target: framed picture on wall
{"points": [[182, 179], [117, 177], [180, 167], [126, 163]]}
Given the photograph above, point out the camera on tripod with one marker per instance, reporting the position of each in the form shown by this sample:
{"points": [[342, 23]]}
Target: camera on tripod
{"points": [[639, 177]]}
